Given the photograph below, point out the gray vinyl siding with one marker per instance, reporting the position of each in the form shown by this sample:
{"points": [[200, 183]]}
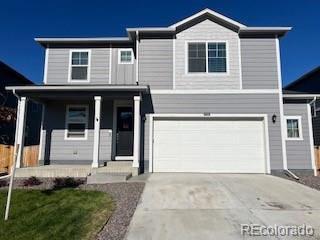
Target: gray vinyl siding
{"points": [[219, 104], [57, 150], [259, 63], [298, 152], [122, 73], [156, 63], [58, 66], [207, 31]]}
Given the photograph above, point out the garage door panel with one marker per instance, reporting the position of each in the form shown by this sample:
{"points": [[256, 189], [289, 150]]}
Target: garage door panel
{"points": [[208, 146]]}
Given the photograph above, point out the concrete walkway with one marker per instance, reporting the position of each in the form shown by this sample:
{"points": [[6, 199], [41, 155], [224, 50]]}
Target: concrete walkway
{"points": [[213, 206]]}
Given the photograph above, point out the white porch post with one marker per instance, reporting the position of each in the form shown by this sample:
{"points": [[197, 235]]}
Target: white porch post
{"points": [[136, 132], [20, 128], [96, 140]]}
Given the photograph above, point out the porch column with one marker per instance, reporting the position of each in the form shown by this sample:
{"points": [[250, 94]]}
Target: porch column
{"points": [[96, 140], [20, 129], [136, 132]]}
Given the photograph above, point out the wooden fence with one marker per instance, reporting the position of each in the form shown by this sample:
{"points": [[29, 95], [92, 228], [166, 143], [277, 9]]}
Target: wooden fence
{"points": [[317, 158], [30, 156]]}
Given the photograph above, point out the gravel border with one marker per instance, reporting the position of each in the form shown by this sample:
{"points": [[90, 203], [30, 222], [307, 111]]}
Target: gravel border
{"points": [[126, 196], [310, 181]]}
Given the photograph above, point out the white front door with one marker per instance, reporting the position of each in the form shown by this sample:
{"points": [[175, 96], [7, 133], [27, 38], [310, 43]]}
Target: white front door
{"points": [[206, 145]]}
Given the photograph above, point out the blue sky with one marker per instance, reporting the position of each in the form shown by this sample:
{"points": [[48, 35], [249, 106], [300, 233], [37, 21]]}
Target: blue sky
{"points": [[21, 21]]}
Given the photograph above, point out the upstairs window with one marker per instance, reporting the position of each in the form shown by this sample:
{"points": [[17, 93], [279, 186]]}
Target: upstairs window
{"points": [[125, 56], [294, 130], [207, 57], [76, 122], [79, 66]]}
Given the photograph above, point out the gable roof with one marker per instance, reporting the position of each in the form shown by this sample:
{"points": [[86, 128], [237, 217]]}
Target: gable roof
{"points": [[307, 83], [133, 33], [211, 13]]}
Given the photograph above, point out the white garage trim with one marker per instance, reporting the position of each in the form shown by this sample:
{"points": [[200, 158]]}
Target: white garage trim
{"points": [[210, 116]]}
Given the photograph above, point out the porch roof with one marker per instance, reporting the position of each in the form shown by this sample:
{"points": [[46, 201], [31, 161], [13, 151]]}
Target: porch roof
{"points": [[50, 92]]}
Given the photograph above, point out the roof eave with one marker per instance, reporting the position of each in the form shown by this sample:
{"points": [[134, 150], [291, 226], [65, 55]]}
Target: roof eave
{"points": [[47, 41], [276, 31]]}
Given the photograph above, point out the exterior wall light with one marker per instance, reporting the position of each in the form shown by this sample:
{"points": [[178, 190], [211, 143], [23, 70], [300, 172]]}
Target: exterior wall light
{"points": [[274, 118]]}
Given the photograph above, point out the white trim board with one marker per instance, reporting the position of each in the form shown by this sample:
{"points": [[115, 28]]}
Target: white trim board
{"points": [[264, 117], [110, 63], [313, 163], [205, 91], [41, 133], [282, 123], [45, 71]]}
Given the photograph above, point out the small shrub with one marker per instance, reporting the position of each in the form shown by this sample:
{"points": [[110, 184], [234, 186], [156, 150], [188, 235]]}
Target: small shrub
{"points": [[3, 183], [67, 182], [31, 181]]}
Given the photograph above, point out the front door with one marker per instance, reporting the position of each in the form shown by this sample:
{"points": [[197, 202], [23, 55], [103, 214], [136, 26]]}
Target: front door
{"points": [[124, 146]]}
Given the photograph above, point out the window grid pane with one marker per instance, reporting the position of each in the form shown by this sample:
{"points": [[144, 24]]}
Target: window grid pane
{"points": [[217, 61], [125, 56], [197, 57], [293, 128], [79, 58]]}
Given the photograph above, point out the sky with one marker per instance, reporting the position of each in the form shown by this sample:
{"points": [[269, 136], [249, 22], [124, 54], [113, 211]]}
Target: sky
{"points": [[22, 21]]}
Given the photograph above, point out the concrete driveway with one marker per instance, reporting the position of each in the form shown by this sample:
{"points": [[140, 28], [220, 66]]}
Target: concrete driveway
{"points": [[213, 206]]}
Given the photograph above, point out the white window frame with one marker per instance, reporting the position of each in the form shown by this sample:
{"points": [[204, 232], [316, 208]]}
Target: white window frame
{"points": [[125, 50], [300, 138], [67, 122], [207, 73], [70, 66]]}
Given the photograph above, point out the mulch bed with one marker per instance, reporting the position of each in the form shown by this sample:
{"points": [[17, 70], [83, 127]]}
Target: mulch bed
{"points": [[126, 196], [310, 181]]}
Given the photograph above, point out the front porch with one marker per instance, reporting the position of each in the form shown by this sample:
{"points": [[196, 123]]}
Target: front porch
{"points": [[85, 130], [123, 168]]}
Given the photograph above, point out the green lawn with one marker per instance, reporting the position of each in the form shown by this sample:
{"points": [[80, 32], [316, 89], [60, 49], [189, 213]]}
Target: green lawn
{"points": [[60, 214]]}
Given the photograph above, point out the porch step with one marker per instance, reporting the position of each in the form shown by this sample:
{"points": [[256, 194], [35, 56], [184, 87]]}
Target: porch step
{"points": [[102, 178], [116, 167], [119, 163]]}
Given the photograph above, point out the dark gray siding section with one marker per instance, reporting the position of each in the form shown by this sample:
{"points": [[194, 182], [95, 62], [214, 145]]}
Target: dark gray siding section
{"points": [[219, 104], [156, 63], [122, 73], [57, 150], [58, 66], [259, 63], [298, 151]]}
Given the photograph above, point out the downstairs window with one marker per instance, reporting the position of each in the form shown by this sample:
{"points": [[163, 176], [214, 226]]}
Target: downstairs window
{"points": [[76, 122]]}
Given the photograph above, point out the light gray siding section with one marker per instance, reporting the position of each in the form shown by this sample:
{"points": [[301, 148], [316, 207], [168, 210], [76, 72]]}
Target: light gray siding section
{"points": [[259, 63], [156, 63], [220, 104], [58, 66], [57, 150], [298, 151], [122, 73], [207, 31]]}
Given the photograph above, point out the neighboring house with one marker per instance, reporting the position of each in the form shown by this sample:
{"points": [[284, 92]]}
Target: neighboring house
{"points": [[309, 84], [8, 107], [202, 95]]}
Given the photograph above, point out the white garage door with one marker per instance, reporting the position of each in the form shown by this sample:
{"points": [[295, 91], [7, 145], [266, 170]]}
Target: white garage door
{"points": [[217, 146]]}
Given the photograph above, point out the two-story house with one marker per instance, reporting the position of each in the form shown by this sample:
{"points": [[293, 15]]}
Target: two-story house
{"points": [[202, 95]]}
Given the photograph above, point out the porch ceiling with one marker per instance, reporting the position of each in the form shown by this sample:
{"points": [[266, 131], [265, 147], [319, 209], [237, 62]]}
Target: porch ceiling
{"points": [[43, 93]]}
